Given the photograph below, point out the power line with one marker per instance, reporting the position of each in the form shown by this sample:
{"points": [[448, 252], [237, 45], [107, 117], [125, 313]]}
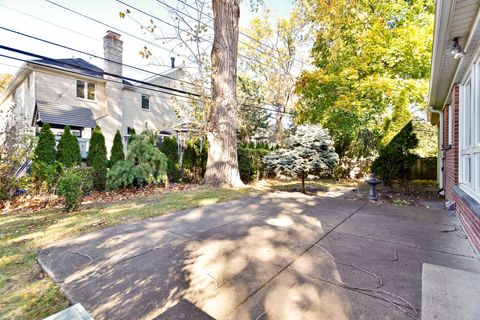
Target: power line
{"points": [[178, 28], [113, 75], [211, 27], [118, 30], [95, 56], [240, 32], [49, 22], [38, 56]]}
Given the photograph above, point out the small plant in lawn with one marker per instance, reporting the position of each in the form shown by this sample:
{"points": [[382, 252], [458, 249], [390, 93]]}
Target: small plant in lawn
{"points": [[309, 150], [116, 154], [70, 188], [68, 150], [97, 159]]}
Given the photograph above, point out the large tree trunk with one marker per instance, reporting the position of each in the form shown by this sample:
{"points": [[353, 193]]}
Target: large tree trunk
{"points": [[222, 163]]}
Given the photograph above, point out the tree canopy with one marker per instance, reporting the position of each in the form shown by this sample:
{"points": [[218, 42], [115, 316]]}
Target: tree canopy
{"points": [[372, 64]]}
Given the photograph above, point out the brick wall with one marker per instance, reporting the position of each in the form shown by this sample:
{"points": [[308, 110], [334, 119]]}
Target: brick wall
{"points": [[469, 220], [451, 155]]}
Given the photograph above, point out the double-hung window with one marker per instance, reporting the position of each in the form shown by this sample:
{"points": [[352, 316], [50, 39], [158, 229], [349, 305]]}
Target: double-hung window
{"points": [[145, 102], [469, 133], [85, 90]]}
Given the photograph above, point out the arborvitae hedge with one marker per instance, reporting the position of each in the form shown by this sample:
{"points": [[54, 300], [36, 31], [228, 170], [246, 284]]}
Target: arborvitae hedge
{"points": [[45, 150], [97, 159], [195, 158], [68, 150], [116, 154], [170, 149]]}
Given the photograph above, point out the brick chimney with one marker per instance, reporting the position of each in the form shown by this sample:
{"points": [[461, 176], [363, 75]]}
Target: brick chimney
{"points": [[113, 51]]}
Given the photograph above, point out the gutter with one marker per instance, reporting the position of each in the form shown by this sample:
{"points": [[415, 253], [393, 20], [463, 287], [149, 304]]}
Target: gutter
{"points": [[440, 161]]}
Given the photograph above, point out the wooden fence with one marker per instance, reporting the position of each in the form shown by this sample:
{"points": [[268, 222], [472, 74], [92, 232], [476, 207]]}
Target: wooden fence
{"points": [[424, 169]]}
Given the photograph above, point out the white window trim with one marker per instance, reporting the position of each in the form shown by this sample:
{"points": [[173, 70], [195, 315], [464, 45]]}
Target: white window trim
{"points": [[141, 102], [472, 151], [85, 90]]}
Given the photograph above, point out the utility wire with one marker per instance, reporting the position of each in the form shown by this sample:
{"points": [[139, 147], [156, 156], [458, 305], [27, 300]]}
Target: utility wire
{"points": [[240, 32], [114, 81], [118, 30], [38, 56], [49, 22], [95, 56], [178, 28], [211, 27], [87, 75]]}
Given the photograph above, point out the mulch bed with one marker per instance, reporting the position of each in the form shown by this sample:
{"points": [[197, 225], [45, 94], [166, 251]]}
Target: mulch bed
{"points": [[32, 203]]}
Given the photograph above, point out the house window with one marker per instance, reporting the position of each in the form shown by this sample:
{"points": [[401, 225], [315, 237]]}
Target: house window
{"points": [[145, 102], [450, 124], [85, 90], [469, 157]]}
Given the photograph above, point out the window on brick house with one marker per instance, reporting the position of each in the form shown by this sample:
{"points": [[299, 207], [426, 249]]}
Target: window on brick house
{"points": [[469, 144], [85, 90], [450, 125]]}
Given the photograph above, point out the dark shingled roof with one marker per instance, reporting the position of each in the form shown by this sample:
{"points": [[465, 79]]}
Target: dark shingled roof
{"points": [[62, 114], [74, 65]]}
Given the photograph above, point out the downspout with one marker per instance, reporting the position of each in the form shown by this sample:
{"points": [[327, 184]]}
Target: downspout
{"points": [[440, 161]]}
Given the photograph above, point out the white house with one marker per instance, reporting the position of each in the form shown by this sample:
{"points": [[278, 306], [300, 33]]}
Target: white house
{"points": [[77, 93]]}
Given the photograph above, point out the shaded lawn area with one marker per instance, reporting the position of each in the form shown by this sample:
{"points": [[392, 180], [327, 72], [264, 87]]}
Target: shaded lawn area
{"points": [[25, 293]]}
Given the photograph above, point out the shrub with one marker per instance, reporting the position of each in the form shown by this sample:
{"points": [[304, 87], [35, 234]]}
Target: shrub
{"points": [[46, 175], [195, 158], [309, 150], [68, 150], [116, 154], [396, 158], [16, 146], [97, 159], [170, 149], [45, 150], [133, 134], [250, 163], [144, 164], [70, 188]]}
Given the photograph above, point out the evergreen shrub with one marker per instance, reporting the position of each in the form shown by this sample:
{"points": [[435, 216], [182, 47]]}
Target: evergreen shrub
{"points": [[97, 159], [68, 150]]}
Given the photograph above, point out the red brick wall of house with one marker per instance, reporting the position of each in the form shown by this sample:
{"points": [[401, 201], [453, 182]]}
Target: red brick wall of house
{"points": [[451, 155], [470, 222]]}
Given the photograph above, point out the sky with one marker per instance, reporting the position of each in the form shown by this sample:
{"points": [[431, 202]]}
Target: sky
{"points": [[42, 19]]}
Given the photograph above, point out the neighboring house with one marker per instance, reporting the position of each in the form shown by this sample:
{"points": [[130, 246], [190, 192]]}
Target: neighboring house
{"points": [[75, 92], [454, 99]]}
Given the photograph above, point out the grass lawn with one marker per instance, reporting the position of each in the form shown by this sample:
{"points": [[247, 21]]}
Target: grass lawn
{"points": [[24, 291]]}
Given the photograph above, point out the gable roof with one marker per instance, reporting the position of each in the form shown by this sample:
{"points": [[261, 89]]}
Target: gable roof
{"points": [[75, 65], [63, 114]]}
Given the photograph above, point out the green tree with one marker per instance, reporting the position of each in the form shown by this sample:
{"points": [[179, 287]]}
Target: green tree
{"points": [[170, 149], [274, 66], [252, 116], [144, 164], [309, 150], [68, 150], [116, 153], [45, 150], [97, 158], [397, 158], [372, 64]]}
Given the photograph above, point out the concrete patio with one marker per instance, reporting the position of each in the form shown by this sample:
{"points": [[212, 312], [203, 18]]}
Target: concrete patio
{"points": [[275, 256]]}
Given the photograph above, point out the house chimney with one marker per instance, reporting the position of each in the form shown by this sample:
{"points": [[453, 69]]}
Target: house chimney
{"points": [[112, 52], [173, 62]]}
